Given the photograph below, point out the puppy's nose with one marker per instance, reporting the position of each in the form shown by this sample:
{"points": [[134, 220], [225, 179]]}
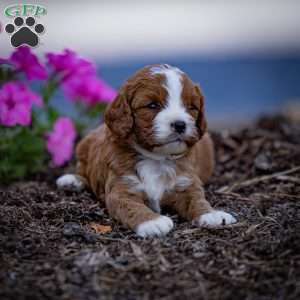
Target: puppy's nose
{"points": [[179, 126]]}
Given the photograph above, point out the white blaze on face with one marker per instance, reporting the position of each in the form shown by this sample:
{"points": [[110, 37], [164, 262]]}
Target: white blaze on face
{"points": [[174, 110]]}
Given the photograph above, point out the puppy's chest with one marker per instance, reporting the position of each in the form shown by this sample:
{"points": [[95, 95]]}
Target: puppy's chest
{"points": [[157, 178]]}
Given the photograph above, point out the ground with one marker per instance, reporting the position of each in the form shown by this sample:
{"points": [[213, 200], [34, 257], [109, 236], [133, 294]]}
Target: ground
{"points": [[49, 249]]}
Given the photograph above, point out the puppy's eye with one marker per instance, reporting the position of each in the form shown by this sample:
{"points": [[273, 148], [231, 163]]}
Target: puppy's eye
{"points": [[153, 105]]}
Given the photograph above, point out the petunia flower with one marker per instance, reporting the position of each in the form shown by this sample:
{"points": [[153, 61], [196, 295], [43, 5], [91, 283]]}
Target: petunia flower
{"points": [[89, 90], [16, 101], [60, 142], [25, 61], [70, 64], [108, 94], [79, 81]]}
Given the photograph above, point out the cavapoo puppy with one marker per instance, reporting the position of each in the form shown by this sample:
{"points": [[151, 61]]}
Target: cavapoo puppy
{"points": [[153, 151]]}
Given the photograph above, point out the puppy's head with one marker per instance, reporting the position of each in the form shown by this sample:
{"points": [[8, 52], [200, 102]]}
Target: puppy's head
{"points": [[160, 109]]}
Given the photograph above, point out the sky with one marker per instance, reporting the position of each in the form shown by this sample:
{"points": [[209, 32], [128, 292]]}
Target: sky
{"points": [[114, 31]]}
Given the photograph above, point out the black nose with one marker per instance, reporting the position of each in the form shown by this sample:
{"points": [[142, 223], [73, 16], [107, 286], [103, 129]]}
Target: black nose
{"points": [[179, 126]]}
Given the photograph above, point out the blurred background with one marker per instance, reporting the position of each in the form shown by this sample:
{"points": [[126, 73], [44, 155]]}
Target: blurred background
{"points": [[244, 54]]}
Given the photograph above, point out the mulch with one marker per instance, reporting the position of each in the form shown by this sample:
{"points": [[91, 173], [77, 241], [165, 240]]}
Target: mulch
{"points": [[50, 250]]}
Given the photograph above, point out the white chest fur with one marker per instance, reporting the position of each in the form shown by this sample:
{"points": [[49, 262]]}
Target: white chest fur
{"points": [[155, 178]]}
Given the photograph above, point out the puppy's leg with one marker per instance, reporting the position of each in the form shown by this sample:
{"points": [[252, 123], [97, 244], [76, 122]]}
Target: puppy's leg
{"points": [[192, 205], [129, 208], [71, 182]]}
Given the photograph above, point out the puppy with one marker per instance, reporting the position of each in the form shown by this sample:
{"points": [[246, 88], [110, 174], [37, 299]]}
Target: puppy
{"points": [[152, 151]]}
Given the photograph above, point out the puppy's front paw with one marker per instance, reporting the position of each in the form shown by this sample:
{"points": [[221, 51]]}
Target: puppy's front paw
{"points": [[157, 227], [215, 218], [70, 182]]}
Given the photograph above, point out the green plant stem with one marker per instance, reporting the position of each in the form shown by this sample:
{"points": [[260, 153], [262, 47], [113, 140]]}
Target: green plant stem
{"points": [[48, 92]]}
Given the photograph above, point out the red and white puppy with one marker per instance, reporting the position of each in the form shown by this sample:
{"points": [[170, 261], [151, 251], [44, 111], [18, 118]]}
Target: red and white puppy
{"points": [[152, 151]]}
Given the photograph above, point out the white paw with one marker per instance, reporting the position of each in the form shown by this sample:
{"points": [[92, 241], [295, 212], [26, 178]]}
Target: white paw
{"points": [[157, 227], [216, 218], [69, 182]]}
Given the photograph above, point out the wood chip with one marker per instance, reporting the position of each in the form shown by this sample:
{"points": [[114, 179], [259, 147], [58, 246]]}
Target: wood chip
{"points": [[102, 229]]}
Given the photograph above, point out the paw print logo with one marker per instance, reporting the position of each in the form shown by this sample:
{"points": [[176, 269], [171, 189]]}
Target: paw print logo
{"points": [[24, 33]]}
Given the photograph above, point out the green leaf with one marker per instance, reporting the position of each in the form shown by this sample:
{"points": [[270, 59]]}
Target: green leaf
{"points": [[52, 115], [22, 153], [6, 74], [96, 110], [49, 89]]}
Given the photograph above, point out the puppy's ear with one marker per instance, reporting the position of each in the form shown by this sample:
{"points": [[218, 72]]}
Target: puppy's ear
{"points": [[201, 120], [118, 116]]}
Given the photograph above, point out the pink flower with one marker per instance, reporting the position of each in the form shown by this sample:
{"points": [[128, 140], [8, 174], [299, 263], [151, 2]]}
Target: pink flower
{"points": [[16, 101], [89, 90], [69, 63], [108, 94], [25, 61], [60, 142], [79, 81]]}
